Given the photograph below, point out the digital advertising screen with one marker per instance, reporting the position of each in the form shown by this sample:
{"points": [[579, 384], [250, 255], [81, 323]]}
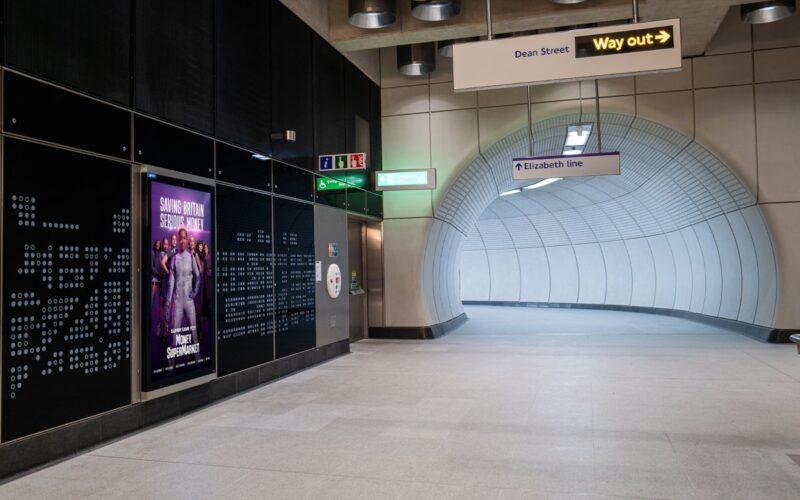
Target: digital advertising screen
{"points": [[179, 282]]}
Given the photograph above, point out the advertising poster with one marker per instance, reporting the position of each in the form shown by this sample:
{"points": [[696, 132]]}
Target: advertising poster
{"points": [[181, 285]]}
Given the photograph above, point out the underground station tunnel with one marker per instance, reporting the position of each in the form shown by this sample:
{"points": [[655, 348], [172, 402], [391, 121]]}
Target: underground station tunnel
{"points": [[400, 249]]}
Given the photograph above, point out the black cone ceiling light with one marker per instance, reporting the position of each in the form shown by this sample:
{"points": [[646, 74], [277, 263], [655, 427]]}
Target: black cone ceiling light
{"points": [[417, 59], [435, 10], [445, 47], [767, 12], [372, 14]]}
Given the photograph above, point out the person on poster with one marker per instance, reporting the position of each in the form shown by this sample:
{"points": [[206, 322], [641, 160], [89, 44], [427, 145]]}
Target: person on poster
{"points": [[159, 273], [202, 301], [173, 249], [184, 278]]}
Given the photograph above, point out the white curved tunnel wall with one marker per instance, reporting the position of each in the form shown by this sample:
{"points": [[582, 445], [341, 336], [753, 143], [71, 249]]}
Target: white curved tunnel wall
{"points": [[711, 268], [677, 230]]}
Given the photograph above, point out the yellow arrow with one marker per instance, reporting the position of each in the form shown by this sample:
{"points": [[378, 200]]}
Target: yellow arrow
{"points": [[663, 36]]}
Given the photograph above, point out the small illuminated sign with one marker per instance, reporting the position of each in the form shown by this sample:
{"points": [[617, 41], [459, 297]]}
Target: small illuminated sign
{"points": [[343, 161], [337, 182], [402, 180], [625, 42]]}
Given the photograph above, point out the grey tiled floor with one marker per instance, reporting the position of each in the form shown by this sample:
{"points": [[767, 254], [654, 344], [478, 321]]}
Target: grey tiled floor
{"points": [[517, 403]]}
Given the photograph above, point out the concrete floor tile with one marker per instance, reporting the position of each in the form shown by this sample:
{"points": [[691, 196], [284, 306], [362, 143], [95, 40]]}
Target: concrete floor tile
{"points": [[516, 403]]}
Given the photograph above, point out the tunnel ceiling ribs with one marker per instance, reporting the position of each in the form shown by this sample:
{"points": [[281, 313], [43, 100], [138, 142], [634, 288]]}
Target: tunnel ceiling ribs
{"points": [[676, 230]]}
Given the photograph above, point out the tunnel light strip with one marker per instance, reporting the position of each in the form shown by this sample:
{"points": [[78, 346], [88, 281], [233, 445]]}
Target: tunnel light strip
{"points": [[513, 191], [578, 134], [543, 183]]}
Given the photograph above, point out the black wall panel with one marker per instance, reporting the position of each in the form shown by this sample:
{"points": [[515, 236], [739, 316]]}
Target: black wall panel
{"points": [[49, 113], [295, 323], [329, 97], [66, 288], [376, 151], [357, 103], [292, 86], [244, 283], [84, 44], [238, 166], [291, 181], [175, 61], [243, 73], [161, 145]]}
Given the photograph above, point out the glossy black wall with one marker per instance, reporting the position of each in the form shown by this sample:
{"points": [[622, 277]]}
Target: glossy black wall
{"points": [[238, 70], [84, 44], [292, 86], [243, 85], [174, 70]]}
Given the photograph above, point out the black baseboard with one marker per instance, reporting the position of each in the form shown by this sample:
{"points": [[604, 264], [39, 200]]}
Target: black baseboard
{"points": [[417, 332], [39, 449], [762, 333]]}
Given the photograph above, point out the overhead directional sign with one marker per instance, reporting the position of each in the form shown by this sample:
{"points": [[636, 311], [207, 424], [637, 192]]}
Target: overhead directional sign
{"points": [[569, 55], [343, 161], [625, 42], [405, 180], [545, 167]]}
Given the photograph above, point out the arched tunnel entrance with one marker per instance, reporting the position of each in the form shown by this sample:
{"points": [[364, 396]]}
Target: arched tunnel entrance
{"points": [[676, 231]]}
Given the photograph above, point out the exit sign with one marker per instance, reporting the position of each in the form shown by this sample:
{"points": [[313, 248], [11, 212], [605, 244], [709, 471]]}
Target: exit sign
{"points": [[625, 42], [405, 180]]}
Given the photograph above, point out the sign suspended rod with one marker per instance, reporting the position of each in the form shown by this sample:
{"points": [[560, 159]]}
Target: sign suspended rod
{"points": [[635, 11], [597, 115], [489, 35]]}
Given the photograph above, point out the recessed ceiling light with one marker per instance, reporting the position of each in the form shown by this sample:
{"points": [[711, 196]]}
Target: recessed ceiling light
{"points": [[435, 10], [572, 151], [372, 14], [767, 12], [257, 156], [567, 2], [543, 183], [417, 59]]}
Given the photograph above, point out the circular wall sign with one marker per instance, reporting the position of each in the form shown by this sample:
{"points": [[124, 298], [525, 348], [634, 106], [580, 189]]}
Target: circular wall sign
{"points": [[334, 281]]}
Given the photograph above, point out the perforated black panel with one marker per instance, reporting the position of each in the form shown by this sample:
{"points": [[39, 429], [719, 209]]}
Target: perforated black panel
{"points": [[244, 288], [295, 321], [66, 287]]}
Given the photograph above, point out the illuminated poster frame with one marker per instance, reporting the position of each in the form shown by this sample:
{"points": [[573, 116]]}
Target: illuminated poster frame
{"points": [[175, 353]]}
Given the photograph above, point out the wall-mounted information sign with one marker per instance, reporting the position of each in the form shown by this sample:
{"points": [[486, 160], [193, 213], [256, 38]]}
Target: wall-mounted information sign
{"points": [[338, 182], [570, 55], [179, 320], [545, 167], [343, 161], [405, 180]]}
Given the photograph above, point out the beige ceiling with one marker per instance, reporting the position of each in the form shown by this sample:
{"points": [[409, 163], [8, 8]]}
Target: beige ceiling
{"points": [[700, 20]]}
